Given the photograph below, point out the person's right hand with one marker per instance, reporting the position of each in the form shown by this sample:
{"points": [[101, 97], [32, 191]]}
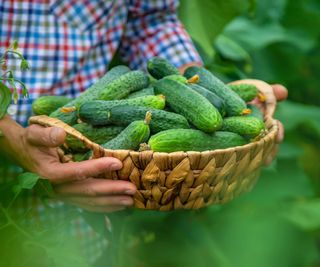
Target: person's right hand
{"points": [[35, 149]]}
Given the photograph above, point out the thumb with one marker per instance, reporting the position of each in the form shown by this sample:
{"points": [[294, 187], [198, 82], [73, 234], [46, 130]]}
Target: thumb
{"points": [[280, 92], [49, 137]]}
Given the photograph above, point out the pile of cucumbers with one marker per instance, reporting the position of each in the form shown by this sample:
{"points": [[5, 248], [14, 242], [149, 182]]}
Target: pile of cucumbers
{"points": [[159, 110]]}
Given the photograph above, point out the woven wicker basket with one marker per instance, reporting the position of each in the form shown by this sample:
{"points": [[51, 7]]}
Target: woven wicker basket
{"points": [[187, 180]]}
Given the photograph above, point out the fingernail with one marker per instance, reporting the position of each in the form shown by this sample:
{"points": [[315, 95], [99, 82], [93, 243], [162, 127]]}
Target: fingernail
{"points": [[115, 166], [130, 192], [126, 202]]}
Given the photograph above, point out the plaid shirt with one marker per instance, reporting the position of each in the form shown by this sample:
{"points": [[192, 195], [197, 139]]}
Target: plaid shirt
{"points": [[69, 44]]}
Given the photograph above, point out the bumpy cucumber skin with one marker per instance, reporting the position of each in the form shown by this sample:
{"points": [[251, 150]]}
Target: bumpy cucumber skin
{"points": [[91, 93], [160, 120], [98, 135], [97, 112], [255, 112], [144, 92], [234, 104], [246, 126], [247, 92], [124, 85], [178, 78], [159, 67], [45, 105], [131, 137], [212, 97], [193, 140], [195, 107]]}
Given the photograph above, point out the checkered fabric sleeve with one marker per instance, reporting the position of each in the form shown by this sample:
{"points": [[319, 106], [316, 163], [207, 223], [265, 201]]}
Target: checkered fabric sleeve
{"points": [[153, 29]]}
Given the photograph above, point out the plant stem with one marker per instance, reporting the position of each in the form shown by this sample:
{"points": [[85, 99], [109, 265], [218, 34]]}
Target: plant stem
{"points": [[11, 222], [13, 52], [12, 80]]}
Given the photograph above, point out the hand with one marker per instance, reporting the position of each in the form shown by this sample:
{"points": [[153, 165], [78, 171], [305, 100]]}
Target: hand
{"points": [[35, 149], [281, 93]]}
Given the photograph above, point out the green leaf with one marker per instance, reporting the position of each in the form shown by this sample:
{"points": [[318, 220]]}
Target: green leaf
{"points": [[206, 19], [24, 65], [258, 36], [44, 188], [292, 114], [230, 49], [5, 99], [26, 180], [304, 213]]}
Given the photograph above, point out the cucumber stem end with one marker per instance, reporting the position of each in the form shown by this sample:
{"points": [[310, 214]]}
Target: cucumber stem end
{"points": [[144, 147], [68, 109], [246, 111], [147, 118], [194, 79]]}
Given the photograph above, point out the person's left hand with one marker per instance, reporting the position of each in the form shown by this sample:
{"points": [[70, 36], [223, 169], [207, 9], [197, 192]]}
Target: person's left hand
{"points": [[275, 94], [281, 93]]}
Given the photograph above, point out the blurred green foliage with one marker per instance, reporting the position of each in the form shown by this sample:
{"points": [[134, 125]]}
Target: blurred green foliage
{"points": [[278, 223]]}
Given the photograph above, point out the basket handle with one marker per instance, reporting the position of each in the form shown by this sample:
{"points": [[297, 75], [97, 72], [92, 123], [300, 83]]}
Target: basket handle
{"points": [[43, 120], [266, 89]]}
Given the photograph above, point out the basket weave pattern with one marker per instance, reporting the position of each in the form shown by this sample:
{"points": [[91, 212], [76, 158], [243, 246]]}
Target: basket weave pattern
{"points": [[187, 180]]}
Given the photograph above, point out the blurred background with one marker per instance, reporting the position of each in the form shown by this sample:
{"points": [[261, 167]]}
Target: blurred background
{"points": [[278, 223]]}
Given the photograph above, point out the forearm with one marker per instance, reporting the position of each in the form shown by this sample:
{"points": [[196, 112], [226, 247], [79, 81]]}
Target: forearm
{"points": [[11, 135]]}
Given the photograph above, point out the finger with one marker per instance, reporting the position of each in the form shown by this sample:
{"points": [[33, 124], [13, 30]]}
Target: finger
{"points": [[280, 92], [49, 137], [123, 200], [73, 171], [272, 155], [96, 187], [280, 135]]}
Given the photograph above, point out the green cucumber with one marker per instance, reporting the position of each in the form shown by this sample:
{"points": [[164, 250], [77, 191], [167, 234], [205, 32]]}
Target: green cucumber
{"points": [[152, 79], [178, 78], [246, 126], [212, 97], [255, 112], [161, 120], [144, 92], [124, 85], [234, 104], [91, 93], [193, 106], [97, 112], [193, 140], [45, 105], [159, 67], [132, 136], [247, 92], [98, 135]]}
